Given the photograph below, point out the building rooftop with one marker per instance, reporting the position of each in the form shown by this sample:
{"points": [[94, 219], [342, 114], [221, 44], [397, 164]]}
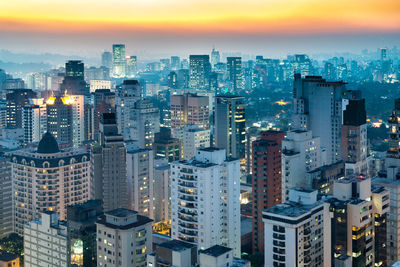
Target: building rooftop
{"points": [[176, 245], [216, 250], [121, 213], [352, 179], [6, 256], [292, 209]]}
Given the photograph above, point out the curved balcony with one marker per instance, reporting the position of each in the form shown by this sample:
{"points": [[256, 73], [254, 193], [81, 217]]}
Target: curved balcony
{"points": [[188, 178], [189, 233], [187, 185], [188, 198], [190, 219]]}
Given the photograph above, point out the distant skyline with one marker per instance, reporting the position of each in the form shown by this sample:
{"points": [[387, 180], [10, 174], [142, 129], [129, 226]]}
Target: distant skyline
{"points": [[156, 27]]}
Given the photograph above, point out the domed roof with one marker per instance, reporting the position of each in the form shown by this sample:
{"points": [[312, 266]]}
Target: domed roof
{"points": [[48, 144]]}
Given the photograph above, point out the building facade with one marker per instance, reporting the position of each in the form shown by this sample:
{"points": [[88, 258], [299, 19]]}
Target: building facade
{"points": [[205, 205], [48, 179]]}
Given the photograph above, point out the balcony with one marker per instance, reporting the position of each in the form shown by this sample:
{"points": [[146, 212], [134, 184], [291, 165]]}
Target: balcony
{"points": [[190, 219], [187, 178]]}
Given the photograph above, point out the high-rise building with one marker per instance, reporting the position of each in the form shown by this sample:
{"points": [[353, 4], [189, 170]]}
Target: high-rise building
{"points": [[189, 109], [194, 138], [108, 166], [200, 69], [74, 68], [354, 137], [107, 59], [104, 102], [175, 63], [82, 237], [34, 121], [266, 181], [140, 176], [119, 61], [125, 98], [218, 256], [298, 232], [301, 153], [59, 178], [74, 80], [359, 222], [318, 106], [383, 54], [45, 241], [205, 205], [235, 75], [166, 146], [15, 101], [215, 57], [131, 66], [6, 198], [230, 125], [162, 190], [123, 239], [144, 123], [173, 253]]}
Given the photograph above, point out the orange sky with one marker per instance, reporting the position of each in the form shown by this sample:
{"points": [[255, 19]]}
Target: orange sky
{"points": [[200, 16]]}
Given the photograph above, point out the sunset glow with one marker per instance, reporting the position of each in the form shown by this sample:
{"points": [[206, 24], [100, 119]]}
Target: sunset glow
{"points": [[184, 17]]}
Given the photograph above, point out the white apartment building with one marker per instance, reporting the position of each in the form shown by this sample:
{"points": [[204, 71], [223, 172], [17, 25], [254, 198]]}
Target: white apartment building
{"points": [[297, 233], [124, 238], [140, 175], [162, 190], [45, 242], [34, 120], [194, 138], [205, 200], [301, 153], [48, 179]]}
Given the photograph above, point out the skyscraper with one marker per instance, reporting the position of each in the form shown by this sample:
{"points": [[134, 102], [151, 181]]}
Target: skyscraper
{"points": [[205, 208], [175, 63], [6, 197], [230, 125], [301, 153], [131, 66], [107, 59], [125, 98], [65, 118], [119, 61], [144, 123], [359, 222], [215, 58], [74, 80], [354, 137], [52, 173], [15, 101], [140, 175], [189, 109], [318, 106], [108, 166], [34, 121], [104, 102], [266, 181], [75, 68], [235, 75], [200, 69]]}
